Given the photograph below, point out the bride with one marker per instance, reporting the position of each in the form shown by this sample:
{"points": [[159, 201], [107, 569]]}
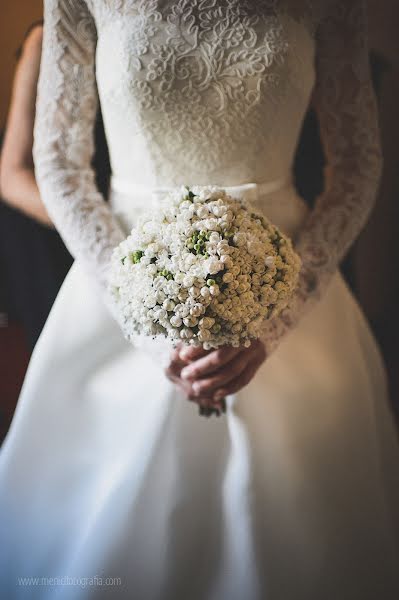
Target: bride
{"points": [[112, 486]]}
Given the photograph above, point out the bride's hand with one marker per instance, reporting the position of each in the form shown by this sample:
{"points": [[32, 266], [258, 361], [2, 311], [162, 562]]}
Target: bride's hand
{"points": [[218, 373], [173, 372]]}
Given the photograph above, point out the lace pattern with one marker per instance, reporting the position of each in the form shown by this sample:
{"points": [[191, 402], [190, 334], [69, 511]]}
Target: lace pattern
{"points": [[63, 137], [346, 107], [206, 92], [193, 77]]}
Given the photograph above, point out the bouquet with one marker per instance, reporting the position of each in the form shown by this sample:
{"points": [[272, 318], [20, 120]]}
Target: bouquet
{"points": [[203, 268]]}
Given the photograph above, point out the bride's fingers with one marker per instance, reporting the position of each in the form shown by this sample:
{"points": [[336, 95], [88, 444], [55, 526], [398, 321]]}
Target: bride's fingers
{"points": [[190, 353], [172, 370], [239, 382], [185, 386], [175, 365], [210, 363], [223, 376], [207, 404]]}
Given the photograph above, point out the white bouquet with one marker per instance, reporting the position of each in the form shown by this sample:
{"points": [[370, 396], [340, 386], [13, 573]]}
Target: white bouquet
{"points": [[202, 268]]}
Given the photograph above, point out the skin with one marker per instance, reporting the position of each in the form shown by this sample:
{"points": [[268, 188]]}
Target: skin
{"points": [[17, 177], [207, 376]]}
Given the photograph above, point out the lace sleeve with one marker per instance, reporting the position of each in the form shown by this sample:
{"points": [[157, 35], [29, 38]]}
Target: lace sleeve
{"points": [[346, 108], [63, 137]]}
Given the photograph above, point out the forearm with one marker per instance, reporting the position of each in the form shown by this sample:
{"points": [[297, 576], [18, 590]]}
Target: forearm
{"points": [[19, 189], [348, 118], [331, 228], [63, 139]]}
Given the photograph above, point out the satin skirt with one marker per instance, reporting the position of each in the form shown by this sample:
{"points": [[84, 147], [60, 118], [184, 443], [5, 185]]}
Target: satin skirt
{"points": [[112, 485]]}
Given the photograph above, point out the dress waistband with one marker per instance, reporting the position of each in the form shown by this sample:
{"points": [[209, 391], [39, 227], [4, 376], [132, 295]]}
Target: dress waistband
{"points": [[287, 211], [247, 191]]}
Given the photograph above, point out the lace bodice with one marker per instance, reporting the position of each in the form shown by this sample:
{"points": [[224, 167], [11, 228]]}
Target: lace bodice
{"points": [[200, 92]]}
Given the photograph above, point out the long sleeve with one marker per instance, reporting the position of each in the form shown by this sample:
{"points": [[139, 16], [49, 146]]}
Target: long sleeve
{"points": [[347, 114], [63, 137]]}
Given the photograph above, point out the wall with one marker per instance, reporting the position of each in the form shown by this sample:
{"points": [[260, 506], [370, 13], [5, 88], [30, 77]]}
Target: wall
{"points": [[16, 17]]}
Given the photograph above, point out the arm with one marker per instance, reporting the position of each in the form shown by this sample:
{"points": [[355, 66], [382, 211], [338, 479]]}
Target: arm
{"points": [[17, 179], [63, 137], [347, 113]]}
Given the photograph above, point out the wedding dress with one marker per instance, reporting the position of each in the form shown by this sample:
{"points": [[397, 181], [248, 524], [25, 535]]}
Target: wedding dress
{"points": [[107, 471]]}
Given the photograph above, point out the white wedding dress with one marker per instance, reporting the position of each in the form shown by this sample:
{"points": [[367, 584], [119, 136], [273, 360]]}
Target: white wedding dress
{"points": [[107, 471]]}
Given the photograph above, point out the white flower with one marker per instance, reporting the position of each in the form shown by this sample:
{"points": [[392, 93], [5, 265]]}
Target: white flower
{"points": [[204, 335], [219, 210], [239, 238], [160, 296], [214, 290], [211, 224], [179, 276], [214, 238], [182, 310], [269, 262], [173, 334], [190, 321], [186, 333], [202, 211], [150, 301], [196, 310], [176, 321], [206, 322], [168, 304], [188, 281], [214, 266], [228, 277]]}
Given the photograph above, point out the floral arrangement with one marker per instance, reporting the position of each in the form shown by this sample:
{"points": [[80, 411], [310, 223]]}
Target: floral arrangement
{"points": [[203, 268]]}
